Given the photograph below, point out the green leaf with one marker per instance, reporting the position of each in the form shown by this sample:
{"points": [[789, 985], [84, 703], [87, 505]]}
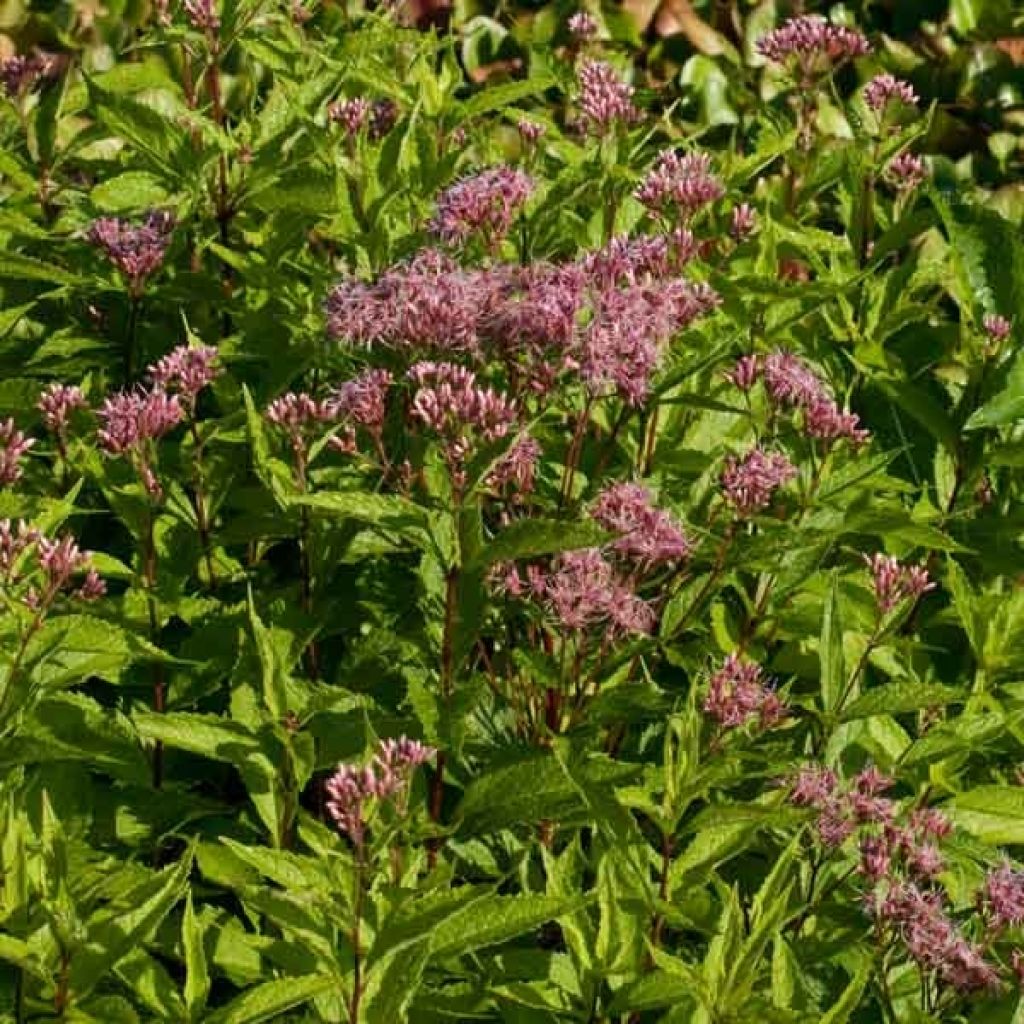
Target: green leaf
{"points": [[1007, 406], [113, 934], [653, 992], [993, 814], [531, 538], [392, 982], [153, 135], [208, 735], [197, 974], [267, 1001], [505, 95], [15, 267], [275, 690], [850, 1000], [131, 191], [495, 919], [901, 697], [830, 650]]}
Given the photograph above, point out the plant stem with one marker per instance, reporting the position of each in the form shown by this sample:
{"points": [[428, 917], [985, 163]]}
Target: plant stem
{"points": [[202, 513], [130, 354], [149, 570], [357, 956]]}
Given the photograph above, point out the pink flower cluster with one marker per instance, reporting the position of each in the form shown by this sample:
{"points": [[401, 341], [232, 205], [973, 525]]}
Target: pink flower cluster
{"points": [[137, 250], [531, 132], [895, 583], [749, 483], [997, 327], [884, 89], [363, 399], [842, 809], [737, 695], [353, 789], [483, 206], [298, 415], [356, 113], [680, 183], [19, 73], [743, 222], [605, 99], [813, 44], [629, 329], [1003, 897], [429, 303], [791, 384], [934, 942], [59, 562], [13, 447], [202, 15], [645, 259], [186, 370], [516, 470], [451, 403], [583, 591], [906, 171], [132, 421], [582, 26], [57, 403], [647, 536]]}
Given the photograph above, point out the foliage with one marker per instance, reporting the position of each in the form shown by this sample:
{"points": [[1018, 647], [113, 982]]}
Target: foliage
{"points": [[492, 529]]}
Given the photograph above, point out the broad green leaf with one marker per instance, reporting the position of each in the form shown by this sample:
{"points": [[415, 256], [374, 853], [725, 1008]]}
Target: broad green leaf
{"points": [[15, 267], [653, 992], [270, 999], [842, 1009], [897, 698], [530, 538], [993, 814], [493, 920], [113, 934]]}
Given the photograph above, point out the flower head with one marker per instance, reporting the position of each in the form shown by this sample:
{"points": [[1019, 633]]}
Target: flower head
{"points": [[647, 536], [516, 470], [363, 399], [605, 99], [906, 171], [13, 446], [737, 695], [57, 403], [894, 582], [812, 45], [1003, 896], [428, 303], [137, 250], [682, 183], [484, 205], [582, 26], [750, 482], [352, 114], [186, 370], [131, 421], [19, 73], [884, 89], [202, 15], [996, 327], [531, 132], [742, 222]]}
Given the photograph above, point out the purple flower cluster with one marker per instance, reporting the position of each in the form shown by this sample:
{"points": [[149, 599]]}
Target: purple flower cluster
{"points": [[451, 403], [357, 113], [131, 423], [813, 44], [842, 809], [483, 206], [353, 789], [582, 26], [742, 222], [895, 583], [298, 415], [1002, 897], [137, 250], [997, 327], [186, 370], [884, 89], [605, 99], [58, 561], [749, 483], [647, 536], [681, 183], [428, 303], [19, 73], [737, 695], [363, 399], [56, 405], [583, 591], [906, 171], [531, 132], [629, 329], [791, 384], [516, 470], [202, 15], [13, 447]]}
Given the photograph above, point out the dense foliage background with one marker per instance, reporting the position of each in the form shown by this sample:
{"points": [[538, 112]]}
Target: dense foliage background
{"points": [[511, 514]]}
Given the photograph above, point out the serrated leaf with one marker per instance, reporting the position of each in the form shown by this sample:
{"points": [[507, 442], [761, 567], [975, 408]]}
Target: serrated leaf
{"points": [[901, 697], [830, 649], [272, 998], [197, 974], [993, 814], [531, 538]]}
